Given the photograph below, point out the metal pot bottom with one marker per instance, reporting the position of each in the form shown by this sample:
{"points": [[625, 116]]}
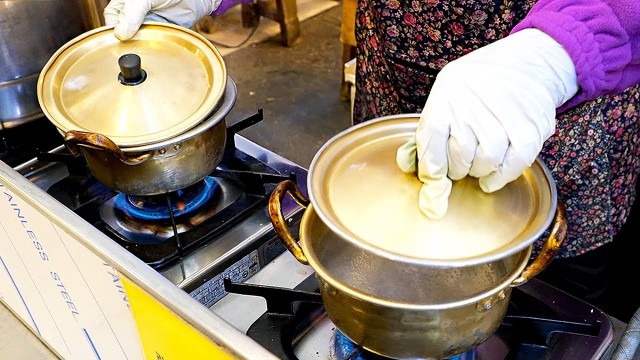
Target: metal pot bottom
{"points": [[166, 170], [411, 333]]}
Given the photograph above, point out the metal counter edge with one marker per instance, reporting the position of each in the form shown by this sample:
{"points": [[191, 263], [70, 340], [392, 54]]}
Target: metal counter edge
{"points": [[175, 299]]}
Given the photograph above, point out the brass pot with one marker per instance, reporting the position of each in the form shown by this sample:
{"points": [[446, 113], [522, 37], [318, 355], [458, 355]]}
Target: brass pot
{"points": [[148, 113], [157, 168], [414, 297]]}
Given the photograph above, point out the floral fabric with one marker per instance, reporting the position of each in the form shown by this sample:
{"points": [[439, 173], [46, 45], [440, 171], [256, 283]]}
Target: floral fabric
{"points": [[594, 155]]}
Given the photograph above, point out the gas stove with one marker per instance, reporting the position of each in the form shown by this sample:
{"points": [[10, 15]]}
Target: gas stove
{"points": [[23, 143], [215, 229], [289, 320], [214, 240]]}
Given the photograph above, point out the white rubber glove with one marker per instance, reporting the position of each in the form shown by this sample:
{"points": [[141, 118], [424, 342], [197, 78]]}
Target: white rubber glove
{"points": [[488, 115], [128, 15]]}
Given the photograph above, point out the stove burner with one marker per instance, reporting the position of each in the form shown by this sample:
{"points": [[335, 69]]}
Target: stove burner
{"points": [[147, 221], [541, 323], [346, 349], [153, 208], [206, 229]]}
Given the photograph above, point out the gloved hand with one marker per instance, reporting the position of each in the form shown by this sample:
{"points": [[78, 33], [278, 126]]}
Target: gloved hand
{"points": [[128, 15], [488, 115]]}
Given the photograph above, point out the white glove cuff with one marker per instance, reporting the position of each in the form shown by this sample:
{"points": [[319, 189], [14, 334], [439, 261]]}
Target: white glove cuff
{"points": [[557, 70]]}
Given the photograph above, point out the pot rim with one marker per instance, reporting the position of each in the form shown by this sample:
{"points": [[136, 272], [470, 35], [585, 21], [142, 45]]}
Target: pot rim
{"points": [[322, 272], [418, 260], [217, 115], [222, 110]]}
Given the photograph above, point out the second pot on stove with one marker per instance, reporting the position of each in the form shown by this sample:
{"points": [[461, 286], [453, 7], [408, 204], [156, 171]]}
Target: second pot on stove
{"points": [[148, 114], [395, 282]]}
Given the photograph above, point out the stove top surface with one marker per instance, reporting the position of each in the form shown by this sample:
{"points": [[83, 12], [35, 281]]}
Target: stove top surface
{"points": [[541, 323], [193, 236], [25, 142], [159, 229]]}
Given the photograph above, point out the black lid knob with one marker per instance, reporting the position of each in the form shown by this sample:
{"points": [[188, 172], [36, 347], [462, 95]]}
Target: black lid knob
{"points": [[131, 72]]}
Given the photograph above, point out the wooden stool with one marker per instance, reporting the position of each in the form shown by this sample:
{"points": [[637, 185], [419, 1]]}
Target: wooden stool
{"points": [[284, 12], [348, 40]]}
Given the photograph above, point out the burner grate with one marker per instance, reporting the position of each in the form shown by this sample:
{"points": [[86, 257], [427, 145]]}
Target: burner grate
{"points": [[346, 349], [24, 142], [570, 328]]}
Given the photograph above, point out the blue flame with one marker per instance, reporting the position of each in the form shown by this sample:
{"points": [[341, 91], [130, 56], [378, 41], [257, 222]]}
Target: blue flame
{"points": [[161, 211], [347, 349]]}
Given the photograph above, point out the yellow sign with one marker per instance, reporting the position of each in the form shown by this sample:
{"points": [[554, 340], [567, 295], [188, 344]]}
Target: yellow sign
{"points": [[164, 335]]}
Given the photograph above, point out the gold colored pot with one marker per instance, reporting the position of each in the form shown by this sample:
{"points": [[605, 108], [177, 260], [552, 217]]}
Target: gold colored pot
{"points": [[441, 298], [148, 113], [161, 167]]}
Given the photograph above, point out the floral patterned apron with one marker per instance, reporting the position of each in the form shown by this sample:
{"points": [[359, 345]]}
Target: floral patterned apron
{"points": [[595, 153]]}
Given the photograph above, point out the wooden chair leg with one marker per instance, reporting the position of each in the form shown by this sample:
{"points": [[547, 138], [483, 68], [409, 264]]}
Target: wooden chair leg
{"points": [[348, 53], [284, 12], [250, 15], [289, 22]]}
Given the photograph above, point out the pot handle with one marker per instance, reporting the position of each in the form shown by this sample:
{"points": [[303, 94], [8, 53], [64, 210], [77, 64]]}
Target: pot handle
{"points": [[74, 139], [549, 249], [277, 218]]}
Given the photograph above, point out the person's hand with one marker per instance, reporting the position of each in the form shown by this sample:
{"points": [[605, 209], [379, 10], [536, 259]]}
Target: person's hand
{"points": [[128, 15], [488, 115]]}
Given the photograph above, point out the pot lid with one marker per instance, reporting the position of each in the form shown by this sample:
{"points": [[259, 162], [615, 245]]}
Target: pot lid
{"points": [[359, 192], [159, 84]]}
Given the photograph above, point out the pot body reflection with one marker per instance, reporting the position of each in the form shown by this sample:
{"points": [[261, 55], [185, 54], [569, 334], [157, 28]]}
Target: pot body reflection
{"points": [[409, 333], [167, 169], [162, 167]]}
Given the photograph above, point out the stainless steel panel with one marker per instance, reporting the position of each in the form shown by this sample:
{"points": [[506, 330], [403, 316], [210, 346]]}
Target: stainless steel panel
{"points": [[171, 296]]}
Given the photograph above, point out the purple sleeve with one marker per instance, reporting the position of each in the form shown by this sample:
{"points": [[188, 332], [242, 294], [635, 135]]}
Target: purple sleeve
{"points": [[602, 38], [226, 5]]}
